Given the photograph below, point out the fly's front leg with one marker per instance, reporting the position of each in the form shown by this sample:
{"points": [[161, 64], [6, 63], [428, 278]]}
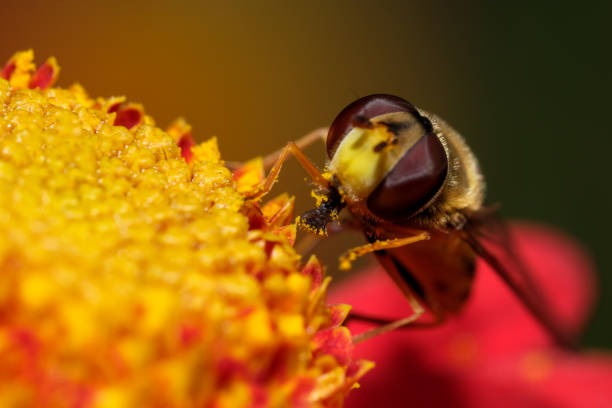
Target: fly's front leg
{"points": [[302, 143], [348, 257], [293, 149]]}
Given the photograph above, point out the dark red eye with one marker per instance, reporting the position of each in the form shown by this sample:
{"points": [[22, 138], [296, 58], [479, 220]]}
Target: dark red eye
{"points": [[412, 182], [420, 173], [365, 108]]}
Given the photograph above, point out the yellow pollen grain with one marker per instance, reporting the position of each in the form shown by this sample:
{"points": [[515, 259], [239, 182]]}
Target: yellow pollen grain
{"points": [[298, 284], [291, 326], [37, 290], [319, 198], [257, 327], [135, 352], [113, 397], [237, 396], [176, 380], [157, 308], [80, 323]]}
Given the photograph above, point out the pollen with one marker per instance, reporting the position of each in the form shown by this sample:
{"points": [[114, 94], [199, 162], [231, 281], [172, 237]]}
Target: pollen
{"points": [[134, 270], [319, 197]]}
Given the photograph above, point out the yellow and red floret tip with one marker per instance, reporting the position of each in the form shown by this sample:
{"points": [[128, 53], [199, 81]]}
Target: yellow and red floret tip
{"points": [[136, 272], [21, 72], [250, 176], [180, 131]]}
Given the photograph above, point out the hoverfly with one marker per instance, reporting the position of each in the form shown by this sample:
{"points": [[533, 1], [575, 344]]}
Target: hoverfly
{"points": [[414, 188]]}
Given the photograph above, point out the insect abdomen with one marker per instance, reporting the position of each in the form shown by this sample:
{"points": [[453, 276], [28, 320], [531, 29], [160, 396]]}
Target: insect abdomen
{"points": [[439, 271]]}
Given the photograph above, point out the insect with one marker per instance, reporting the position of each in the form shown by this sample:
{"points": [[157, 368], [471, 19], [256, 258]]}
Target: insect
{"points": [[414, 188]]}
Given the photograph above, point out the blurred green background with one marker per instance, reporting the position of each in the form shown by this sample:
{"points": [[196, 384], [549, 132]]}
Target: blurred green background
{"points": [[528, 85]]}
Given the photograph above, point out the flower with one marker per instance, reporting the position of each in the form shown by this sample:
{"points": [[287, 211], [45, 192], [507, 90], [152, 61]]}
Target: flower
{"points": [[134, 273], [493, 353]]}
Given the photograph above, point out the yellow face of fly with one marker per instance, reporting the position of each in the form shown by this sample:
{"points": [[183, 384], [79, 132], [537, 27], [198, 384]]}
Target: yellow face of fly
{"points": [[366, 155]]}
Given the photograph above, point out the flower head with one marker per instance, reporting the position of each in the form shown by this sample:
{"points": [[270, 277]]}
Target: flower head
{"points": [[133, 271]]}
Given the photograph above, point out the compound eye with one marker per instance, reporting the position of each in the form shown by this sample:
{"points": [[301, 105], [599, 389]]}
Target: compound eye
{"points": [[362, 111], [413, 182]]}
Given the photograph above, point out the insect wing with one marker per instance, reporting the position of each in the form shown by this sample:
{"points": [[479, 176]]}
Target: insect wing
{"points": [[491, 239]]}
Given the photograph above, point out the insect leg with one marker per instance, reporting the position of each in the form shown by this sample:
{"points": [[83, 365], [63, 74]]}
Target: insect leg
{"points": [[312, 170], [270, 159], [310, 241], [417, 311], [348, 257], [302, 143], [356, 316]]}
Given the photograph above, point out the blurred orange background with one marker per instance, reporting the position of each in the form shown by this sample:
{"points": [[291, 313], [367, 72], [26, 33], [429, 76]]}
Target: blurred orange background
{"points": [[527, 85]]}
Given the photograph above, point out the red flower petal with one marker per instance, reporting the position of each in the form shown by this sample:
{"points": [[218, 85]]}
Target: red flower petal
{"points": [[279, 211], [335, 341], [254, 215], [249, 176], [339, 313], [129, 116], [300, 397], [314, 268], [287, 231], [259, 396], [45, 75], [540, 379], [8, 69], [189, 334], [114, 107], [180, 131], [186, 143]]}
